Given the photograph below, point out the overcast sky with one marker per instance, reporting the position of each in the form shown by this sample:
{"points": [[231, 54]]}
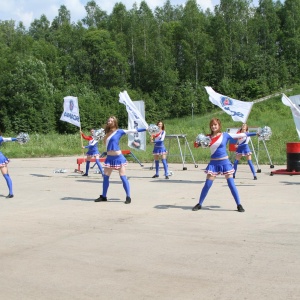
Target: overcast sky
{"points": [[28, 10]]}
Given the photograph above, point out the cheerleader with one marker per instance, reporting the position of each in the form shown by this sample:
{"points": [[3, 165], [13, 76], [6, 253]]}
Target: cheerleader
{"points": [[92, 152], [115, 160], [219, 162], [3, 166], [160, 150], [243, 150]]}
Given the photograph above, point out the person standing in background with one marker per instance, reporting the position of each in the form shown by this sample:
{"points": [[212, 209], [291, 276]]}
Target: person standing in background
{"points": [[243, 150], [3, 165], [93, 151], [160, 150]]}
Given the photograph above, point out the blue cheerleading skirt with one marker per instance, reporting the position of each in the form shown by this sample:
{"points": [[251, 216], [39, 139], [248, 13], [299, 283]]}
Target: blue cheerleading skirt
{"points": [[115, 161], [243, 150], [93, 152], [222, 167], [3, 160], [159, 150]]}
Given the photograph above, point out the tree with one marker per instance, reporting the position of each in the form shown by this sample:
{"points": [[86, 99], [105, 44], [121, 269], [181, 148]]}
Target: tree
{"points": [[290, 19], [95, 17], [64, 17], [40, 29], [266, 26], [28, 97], [107, 66], [195, 43]]}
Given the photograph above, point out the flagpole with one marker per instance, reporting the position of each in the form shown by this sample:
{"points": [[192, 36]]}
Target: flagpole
{"points": [[82, 145], [71, 114]]}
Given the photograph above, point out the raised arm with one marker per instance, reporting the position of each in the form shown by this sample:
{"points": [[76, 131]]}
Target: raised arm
{"points": [[241, 135], [134, 130], [91, 144], [88, 138], [9, 139]]}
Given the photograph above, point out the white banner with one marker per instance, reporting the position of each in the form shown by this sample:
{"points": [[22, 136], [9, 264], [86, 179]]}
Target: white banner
{"points": [[239, 110], [133, 112], [135, 120], [138, 140], [294, 103], [71, 111]]}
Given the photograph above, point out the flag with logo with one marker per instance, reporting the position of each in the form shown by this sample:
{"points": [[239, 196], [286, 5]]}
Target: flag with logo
{"points": [[136, 119], [71, 111], [294, 103], [239, 110]]}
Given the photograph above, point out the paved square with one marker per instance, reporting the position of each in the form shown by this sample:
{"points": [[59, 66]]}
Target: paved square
{"points": [[57, 243]]}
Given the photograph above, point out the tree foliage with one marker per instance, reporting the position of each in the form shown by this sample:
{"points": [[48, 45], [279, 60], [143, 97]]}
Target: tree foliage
{"points": [[164, 57]]}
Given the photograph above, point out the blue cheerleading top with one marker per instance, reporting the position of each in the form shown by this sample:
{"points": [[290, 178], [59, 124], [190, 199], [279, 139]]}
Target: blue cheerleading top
{"points": [[159, 139], [93, 147], [218, 143], [3, 159]]}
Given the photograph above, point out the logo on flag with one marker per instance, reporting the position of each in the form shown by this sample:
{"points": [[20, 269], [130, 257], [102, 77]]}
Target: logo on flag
{"points": [[71, 111], [136, 119], [225, 101], [71, 105]]}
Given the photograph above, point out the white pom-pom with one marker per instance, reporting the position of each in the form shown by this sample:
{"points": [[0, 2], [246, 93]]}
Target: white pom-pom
{"points": [[23, 138], [153, 129], [99, 134], [264, 133], [203, 140]]}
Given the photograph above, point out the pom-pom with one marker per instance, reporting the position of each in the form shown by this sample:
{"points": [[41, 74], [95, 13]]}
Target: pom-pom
{"points": [[203, 140], [23, 138], [153, 129], [99, 134], [264, 133]]}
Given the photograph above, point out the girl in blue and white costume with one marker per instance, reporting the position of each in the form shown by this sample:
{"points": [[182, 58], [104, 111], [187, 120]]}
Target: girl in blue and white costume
{"points": [[160, 150], [3, 166], [93, 151], [244, 150], [219, 162], [115, 160]]}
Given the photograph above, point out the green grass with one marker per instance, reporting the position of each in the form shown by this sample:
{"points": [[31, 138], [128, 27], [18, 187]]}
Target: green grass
{"points": [[270, 113]]}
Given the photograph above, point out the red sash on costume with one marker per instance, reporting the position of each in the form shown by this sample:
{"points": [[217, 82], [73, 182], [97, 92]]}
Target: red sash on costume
{"points": [[214, 139]]}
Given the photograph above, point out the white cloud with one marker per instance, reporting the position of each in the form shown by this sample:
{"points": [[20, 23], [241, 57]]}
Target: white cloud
{"points": [[25, 17], [76, 8]]}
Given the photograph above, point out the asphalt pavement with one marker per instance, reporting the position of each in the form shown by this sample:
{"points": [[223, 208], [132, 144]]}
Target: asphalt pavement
{"points": [[57, 243]]}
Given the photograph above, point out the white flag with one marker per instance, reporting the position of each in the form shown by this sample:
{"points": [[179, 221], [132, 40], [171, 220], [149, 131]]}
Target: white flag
{"points": [[71, 111], [135, 120], [133, 112], [138, 140], [239, 110], [294, 103]]}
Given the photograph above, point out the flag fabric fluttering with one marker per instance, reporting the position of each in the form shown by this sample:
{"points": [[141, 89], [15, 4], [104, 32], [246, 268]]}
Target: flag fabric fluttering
{"points": [[71, 111], [294, 103], [136, 119], [239, 110], [138, 140], [133, 112]]}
